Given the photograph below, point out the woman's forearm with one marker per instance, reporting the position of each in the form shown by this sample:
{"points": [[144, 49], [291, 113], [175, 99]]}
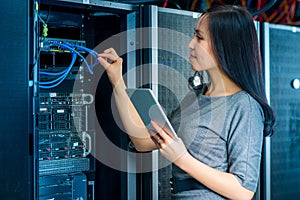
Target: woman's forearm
{"points": [[223, 183], [131, 120]]}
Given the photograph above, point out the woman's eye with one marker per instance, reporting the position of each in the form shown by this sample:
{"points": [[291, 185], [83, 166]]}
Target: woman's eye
{"points": [[199, 37]]}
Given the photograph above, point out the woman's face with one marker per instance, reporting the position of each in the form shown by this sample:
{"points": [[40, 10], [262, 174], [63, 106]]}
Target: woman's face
{"points": [[201, 56]]}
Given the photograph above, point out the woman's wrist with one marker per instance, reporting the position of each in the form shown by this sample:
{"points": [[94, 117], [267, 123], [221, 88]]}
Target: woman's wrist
{"points": [[119, 86], [183, 161]]}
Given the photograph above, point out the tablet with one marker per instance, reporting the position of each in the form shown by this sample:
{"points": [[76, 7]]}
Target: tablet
{"points": [[149, 108]]}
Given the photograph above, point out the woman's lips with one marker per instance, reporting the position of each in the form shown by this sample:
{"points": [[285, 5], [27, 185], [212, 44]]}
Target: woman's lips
{"points": [[192, 57]]}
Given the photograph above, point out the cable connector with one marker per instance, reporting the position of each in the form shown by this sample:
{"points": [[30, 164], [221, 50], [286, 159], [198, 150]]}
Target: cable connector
{"points": [[45, 30]]}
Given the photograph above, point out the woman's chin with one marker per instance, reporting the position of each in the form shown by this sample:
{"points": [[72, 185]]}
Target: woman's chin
{"points": [[194, 68]]}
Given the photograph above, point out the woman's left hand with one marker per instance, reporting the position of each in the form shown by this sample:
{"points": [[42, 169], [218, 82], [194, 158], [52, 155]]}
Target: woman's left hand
{"points": [[171, 148]]}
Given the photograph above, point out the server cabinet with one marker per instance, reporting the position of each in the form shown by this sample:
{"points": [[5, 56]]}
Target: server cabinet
{"points": [[168, 72], [281, 58], [16, 171], [79, 143], [176, 28], [158, 45]]}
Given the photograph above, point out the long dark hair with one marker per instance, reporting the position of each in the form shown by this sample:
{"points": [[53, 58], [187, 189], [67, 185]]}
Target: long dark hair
{"points": [[235, 45]]}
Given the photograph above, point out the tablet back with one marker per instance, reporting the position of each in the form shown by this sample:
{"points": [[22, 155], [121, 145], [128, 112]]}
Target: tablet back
{"points": [[149, 108]]}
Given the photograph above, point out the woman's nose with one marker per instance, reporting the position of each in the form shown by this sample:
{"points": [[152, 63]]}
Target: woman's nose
{"points": [[191, 44]]}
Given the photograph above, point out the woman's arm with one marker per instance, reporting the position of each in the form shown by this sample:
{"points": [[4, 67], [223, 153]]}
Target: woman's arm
{"points": [[131, 120], [223, 183]]}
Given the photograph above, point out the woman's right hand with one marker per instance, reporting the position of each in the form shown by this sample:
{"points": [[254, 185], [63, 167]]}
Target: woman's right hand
{"points": [[112, 63]]}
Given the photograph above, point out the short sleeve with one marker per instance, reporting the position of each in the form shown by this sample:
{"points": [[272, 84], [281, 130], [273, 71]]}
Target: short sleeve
{"points": [[244, 144]]}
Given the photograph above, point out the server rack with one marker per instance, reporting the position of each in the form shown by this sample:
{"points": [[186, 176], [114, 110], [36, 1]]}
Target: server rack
{"points": [[74, 117], [16, 174], [281, 60], [49, 131]]}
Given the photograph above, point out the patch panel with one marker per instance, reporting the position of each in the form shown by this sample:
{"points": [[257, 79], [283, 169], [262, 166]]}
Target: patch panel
{"points": [[48, 44]]}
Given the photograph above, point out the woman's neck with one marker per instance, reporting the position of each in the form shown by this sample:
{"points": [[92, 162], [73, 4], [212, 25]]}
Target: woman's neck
{"points": [[221, 85]]}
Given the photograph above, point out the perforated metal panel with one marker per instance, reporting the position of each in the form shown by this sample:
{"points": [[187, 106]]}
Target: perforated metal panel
{"points": [[178, 28], [284, 63], [176, 31]]}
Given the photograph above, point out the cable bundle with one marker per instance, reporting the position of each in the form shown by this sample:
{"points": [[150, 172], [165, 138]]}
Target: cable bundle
{"points": [[63, 74], [285, 13]]}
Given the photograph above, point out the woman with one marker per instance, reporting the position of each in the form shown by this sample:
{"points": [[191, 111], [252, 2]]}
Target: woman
{"points": [[219, 153]]}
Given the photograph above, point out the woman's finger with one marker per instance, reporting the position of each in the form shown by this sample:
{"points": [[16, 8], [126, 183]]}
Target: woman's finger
{"points": [[112, 51], [103, 62], [167, 131], [156, 138], [161, 131], [109, 56]]}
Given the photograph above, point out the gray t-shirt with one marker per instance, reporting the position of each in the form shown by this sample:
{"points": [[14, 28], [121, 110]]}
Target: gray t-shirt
{"points": [[225, 133]]}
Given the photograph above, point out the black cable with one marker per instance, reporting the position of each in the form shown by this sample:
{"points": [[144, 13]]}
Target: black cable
{"points": [[264, 9], [48, 14]]}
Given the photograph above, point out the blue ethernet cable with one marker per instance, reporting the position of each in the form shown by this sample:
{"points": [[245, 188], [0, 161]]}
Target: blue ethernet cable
{"points": [[65, 72], [53, 73], [60, 79], [92, 52], [73, 50]]}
